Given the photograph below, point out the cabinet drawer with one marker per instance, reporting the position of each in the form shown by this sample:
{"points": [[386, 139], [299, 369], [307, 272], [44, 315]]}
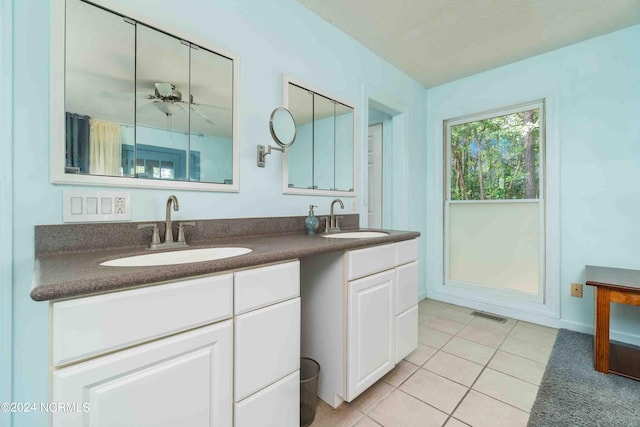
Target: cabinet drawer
{"points": [[406, 286], [260, 287], [406, 251], [406, 333], [267, 346], [86, 327], [363, 262], [276, 406], [183, 380]]}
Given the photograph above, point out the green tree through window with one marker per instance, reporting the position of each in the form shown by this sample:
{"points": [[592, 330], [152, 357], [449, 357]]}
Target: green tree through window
{"points": [[496, 158]]}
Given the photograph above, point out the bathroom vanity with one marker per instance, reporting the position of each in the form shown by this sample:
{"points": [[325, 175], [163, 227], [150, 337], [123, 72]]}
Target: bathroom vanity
{"points": [[219, 342], [359, 315]]}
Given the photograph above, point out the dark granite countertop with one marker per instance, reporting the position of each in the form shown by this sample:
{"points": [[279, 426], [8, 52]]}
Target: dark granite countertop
{"points": [[75, 273]]}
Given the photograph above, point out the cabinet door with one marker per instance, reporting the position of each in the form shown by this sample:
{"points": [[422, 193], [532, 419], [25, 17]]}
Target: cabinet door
{"points": [[267, 346], [370, 341], [182, 380], [275, 406]]}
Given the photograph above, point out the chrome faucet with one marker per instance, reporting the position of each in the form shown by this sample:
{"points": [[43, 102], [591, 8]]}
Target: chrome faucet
{"points": [[333, 222], [168, 233], [168, 230]]}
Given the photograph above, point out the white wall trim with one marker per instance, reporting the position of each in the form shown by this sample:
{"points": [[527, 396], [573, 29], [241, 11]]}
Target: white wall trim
{"points": [[6, 206], [544, 313], [585, 328]]}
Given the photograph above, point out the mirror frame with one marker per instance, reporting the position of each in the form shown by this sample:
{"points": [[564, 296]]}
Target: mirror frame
{"points": [[57, 92], [275, 137], [285, 161]]}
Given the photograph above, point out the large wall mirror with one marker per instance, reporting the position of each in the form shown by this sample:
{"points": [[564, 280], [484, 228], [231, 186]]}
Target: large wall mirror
{"points": [[141, 106], [322, 159]]}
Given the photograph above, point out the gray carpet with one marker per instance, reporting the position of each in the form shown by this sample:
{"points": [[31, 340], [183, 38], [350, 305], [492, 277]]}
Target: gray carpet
{"points": [[572, 393]]}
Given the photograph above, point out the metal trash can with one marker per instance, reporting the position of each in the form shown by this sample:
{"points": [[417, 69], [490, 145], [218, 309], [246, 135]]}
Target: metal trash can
{"points": [[309, 374]]}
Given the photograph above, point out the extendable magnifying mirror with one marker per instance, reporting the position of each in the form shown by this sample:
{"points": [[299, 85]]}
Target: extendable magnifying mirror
{"points": [[283, 130]]}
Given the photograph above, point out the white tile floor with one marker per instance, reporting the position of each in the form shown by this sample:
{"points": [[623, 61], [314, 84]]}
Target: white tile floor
{"points": [[467, 371]]}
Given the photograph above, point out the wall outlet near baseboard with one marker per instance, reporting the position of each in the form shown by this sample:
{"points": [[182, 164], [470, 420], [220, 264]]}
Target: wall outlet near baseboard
{"points": [[576, 290]]}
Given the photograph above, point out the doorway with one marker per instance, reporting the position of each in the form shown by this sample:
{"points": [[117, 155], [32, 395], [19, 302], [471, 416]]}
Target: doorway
{"points": [[379, 156], [374, 163]]}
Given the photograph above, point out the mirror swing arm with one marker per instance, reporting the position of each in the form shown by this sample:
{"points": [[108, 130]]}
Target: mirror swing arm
{"points": [[264, 151]]}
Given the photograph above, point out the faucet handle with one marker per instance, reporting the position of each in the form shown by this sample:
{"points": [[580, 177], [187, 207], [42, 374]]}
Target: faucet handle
{"points": [[181, 230], [338, 218], [155, 236]]}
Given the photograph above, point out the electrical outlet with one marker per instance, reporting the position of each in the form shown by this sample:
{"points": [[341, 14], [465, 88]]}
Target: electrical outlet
{"points": [[576, 290], [120, 205], [354, 207]]}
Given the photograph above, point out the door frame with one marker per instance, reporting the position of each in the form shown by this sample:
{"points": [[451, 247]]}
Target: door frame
{"points": [[382, 158], [548, 311], [6, 206], [395, 204]]}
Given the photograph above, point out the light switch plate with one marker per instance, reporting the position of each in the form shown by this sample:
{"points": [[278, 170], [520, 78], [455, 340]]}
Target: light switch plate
{"points": [[96, 206]]}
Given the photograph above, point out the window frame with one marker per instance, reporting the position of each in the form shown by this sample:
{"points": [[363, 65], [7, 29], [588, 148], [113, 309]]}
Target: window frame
{"points": [[542, 296]]}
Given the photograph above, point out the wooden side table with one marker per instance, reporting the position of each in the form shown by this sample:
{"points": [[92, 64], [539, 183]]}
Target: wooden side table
{"points": [[621, 286]]}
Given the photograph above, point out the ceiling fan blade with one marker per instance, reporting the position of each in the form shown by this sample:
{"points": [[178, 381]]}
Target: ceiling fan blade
{"points": [[122, 95], [198, 112], [210, 106]]}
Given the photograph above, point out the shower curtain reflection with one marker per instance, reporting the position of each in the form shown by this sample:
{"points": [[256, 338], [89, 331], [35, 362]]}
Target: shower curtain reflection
{"points": [[105, 148]]}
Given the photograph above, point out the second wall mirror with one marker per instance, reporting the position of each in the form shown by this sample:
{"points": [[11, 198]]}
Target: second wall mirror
{"points": [[321, 162]]}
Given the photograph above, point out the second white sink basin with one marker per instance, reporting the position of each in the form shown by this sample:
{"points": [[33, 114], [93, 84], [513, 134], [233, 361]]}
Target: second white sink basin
{"points": [[176, 257], [355, 235]]}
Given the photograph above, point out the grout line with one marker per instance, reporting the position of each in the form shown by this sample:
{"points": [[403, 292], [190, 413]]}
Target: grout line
{"points": [[479, 375], [527, 358], [498, 400]]}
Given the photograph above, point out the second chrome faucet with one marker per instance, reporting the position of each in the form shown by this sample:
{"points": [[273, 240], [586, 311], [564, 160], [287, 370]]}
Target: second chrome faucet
{"points": [[333, 222]]}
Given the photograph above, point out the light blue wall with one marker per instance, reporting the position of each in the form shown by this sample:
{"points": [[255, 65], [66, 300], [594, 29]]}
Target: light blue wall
{"points": [[6, 209], [272, 38], [596, 88]]}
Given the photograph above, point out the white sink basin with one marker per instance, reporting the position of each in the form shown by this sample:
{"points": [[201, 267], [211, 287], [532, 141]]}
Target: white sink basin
{"points": [[176, 257], [355, 235]]}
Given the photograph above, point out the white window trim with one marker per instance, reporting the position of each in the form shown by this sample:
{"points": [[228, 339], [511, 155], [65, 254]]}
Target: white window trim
{"points": [[546, 313]]}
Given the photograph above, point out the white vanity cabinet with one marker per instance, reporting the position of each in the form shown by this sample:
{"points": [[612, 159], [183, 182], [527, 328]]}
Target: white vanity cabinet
{"points": [[141, 378], [188, 353], [181, 380], [267, 346], [359, 315]]}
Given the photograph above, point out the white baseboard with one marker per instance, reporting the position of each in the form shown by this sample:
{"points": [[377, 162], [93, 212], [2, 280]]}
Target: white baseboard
{"points": [[588, 329], [540, 320]]}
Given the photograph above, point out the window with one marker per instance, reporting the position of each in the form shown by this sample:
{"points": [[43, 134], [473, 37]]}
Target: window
{"points": [[494, 204], [496, 157]]}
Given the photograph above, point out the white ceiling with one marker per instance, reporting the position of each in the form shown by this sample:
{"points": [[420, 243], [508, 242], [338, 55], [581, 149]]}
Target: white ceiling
{"points": [[437, 41]]}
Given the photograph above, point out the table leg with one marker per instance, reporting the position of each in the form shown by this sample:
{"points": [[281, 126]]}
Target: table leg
{"points": [[603, 306]]}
